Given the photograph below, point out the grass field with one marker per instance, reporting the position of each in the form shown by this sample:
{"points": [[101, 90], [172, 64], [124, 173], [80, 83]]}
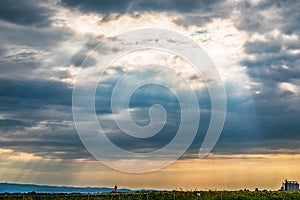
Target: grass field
{"points": [[201, 195]]}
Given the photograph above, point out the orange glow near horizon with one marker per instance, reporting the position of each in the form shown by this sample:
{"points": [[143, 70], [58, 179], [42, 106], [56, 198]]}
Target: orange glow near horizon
{"points": [[217, 172]]}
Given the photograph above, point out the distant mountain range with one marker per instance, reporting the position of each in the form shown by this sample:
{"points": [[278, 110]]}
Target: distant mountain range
{"points": [[26, 188]]}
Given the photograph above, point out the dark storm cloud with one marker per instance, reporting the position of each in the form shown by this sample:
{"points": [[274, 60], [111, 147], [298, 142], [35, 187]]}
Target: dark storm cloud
{"points": [[189, 12], [273, 68], [43, 38], [273, 57], [141, 101], [27, 13], [283, 15], [12, 124], [25, 49], [78, 58], [37, 116], [38, 119], [274, 64], [82, 55], [122, 6], [34, 93], [13, 70], [241, 127], [262, 47], [58, 141]]}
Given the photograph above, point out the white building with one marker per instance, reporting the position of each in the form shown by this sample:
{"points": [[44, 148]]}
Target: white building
{"points": [[290, 186]]}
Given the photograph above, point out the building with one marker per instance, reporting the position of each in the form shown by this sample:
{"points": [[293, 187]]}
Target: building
{"points": [[115, 189], [290, 186]]}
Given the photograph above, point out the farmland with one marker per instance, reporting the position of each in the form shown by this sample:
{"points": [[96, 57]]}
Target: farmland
{"points": [[175, 195]]}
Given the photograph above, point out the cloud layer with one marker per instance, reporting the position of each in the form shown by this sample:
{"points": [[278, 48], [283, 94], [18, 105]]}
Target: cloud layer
{"points": [[255, 45]]}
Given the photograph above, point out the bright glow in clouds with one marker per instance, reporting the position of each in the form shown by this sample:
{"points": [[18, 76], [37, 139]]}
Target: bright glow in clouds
{"points": [[222, 41]]}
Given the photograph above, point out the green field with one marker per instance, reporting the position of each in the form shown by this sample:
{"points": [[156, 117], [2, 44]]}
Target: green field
{"points": [[204, 195]]}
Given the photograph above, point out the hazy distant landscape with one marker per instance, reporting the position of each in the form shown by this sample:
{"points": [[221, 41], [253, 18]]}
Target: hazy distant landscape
{"points": [[149, 99], [31, 191], [205, 195], [27, 188]]}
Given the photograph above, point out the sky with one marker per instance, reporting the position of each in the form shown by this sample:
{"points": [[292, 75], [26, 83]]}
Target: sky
{"points": [[253, 44]]}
